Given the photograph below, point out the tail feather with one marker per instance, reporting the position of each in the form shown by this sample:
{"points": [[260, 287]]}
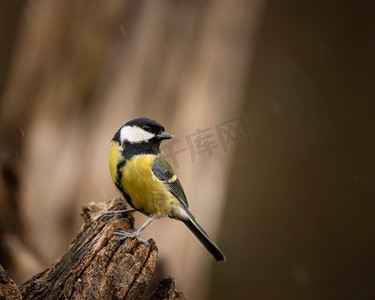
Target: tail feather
{"points": [[203, 237]]}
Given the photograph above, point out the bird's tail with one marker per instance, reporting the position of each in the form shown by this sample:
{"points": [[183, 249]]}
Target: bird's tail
{"points": [[203, 237]]}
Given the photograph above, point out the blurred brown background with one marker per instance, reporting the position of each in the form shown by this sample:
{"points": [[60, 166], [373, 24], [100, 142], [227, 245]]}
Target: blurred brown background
{"points": [[292, 207]]}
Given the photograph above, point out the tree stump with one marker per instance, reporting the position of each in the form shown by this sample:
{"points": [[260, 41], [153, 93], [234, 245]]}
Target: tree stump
{"points": [[8, 289], [98, 265]]}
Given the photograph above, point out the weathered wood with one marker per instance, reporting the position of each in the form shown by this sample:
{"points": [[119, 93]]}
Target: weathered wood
{"points": [[167, 290], [8, 289], [98, 265]]}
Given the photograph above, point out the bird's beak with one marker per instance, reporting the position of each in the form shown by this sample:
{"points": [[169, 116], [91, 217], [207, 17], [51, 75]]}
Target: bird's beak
{"points": [[164, 136]]}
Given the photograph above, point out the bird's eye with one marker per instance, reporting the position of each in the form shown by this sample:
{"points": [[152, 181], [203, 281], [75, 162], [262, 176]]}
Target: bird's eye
{"points": [[146, 128]]}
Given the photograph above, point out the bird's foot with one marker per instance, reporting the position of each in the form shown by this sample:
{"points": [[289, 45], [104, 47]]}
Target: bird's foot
{"points": [[123, 235], [113, 213]]}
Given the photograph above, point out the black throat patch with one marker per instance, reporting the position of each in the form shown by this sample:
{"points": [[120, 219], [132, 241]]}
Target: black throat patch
{"points": [[149, 147]]}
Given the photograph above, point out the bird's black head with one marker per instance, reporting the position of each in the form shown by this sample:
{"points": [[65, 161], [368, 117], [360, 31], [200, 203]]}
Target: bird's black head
{"points": [[141, 136]]}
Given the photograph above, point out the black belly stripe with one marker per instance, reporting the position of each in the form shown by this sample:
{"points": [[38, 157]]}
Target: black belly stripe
{"points": [[119, 185], [119, 172]]}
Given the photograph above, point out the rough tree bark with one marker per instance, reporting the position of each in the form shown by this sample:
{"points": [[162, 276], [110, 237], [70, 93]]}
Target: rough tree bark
{"points": [[8, 289], [98, 265]]}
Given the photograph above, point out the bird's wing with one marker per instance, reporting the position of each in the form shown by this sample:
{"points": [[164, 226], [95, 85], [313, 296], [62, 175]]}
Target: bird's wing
{"points": [[163, 170]]}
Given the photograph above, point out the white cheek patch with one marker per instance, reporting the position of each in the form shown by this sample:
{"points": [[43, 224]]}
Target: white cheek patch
{"points": [[134, 134]]}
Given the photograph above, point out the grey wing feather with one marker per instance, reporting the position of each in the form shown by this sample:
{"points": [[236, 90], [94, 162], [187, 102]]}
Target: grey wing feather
{"points": [[162, 170], [177, 190]]}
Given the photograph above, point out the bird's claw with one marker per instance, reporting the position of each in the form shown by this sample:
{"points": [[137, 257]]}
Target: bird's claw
{"points": [[123, 235], [113, 213]]}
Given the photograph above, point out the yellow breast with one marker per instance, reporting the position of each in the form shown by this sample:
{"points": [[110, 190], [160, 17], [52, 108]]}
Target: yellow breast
{"points": [[148, 194]]}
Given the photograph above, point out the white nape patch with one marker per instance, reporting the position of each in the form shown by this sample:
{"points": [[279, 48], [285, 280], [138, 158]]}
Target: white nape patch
{"points": [[135, 134]]}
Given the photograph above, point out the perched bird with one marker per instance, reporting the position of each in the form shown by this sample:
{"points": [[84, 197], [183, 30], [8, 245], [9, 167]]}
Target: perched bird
{"points": [[146, 180]]}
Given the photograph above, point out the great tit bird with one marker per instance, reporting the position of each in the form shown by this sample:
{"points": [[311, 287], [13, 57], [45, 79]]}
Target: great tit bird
{"points": [[145, 179]]}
